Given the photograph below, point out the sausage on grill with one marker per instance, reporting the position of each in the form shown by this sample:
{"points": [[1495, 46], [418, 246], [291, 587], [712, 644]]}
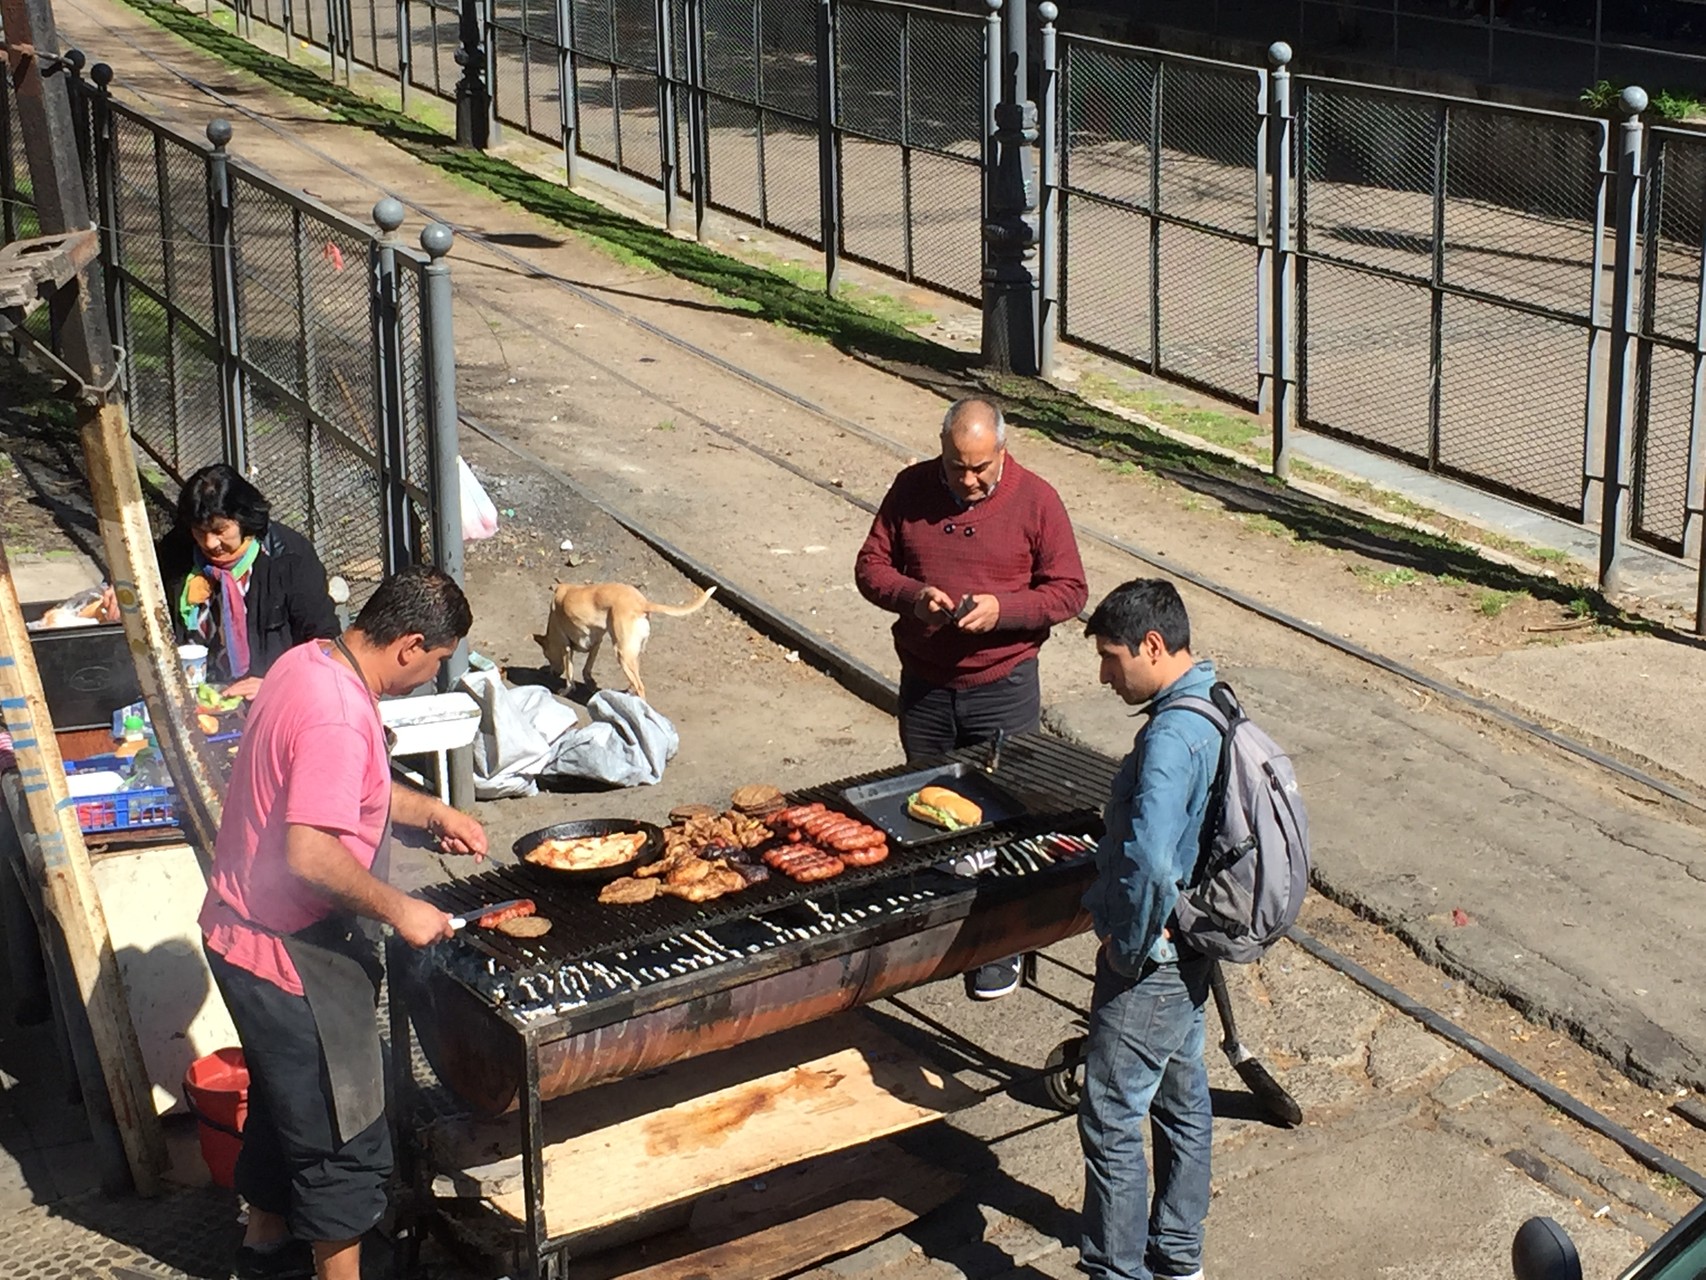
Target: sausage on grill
{"points": [[866, 856], [492, 919]]}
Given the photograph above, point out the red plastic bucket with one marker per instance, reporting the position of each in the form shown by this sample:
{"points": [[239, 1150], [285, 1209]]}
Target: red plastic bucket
{"points": [[216, 1090]]}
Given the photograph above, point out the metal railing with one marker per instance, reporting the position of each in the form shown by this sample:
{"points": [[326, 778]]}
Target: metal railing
{"points": [[261, 328], [1464, 286], [839, 123]]}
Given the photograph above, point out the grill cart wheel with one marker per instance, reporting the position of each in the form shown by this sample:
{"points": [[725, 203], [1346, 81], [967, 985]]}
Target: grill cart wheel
{"points": [[1063, 1073]]}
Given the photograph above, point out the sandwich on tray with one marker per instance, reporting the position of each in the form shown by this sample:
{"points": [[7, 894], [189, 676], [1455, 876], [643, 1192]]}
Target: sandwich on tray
{"points": [[943, 808]]}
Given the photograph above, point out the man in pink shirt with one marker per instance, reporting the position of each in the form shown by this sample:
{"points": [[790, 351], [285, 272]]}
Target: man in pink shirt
{"points": [[299, 863]]}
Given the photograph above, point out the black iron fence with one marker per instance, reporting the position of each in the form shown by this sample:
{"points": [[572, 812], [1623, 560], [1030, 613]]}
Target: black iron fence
{"points": [[846, 124], [1429, 277], [264, 329]]}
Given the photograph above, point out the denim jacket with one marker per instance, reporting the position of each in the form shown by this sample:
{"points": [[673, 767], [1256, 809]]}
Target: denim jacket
{"points": [[1153, 827]]}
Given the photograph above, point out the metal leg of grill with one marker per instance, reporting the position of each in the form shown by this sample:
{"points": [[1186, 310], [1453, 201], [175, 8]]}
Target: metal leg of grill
{"points": [[406, 1242], [544, 1264]]}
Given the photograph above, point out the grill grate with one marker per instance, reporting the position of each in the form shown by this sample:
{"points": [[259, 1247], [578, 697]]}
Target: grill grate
{"points": [[1060, 784]]}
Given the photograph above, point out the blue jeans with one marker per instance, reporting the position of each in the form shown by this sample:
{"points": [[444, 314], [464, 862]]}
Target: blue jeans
{"points": [[1145, 1059]]}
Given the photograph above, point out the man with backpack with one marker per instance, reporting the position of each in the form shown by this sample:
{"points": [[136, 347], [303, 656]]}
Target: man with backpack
{"points": [[1144, 1055]]}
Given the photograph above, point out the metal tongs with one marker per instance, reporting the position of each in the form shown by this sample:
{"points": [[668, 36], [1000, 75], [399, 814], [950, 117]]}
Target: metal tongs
{"points": [[993, 763]]}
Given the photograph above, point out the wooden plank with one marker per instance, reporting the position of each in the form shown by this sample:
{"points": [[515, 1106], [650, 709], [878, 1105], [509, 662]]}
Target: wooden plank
{"points": [[675, 1134], [129, 543], [69, 891], [789, 1221]]}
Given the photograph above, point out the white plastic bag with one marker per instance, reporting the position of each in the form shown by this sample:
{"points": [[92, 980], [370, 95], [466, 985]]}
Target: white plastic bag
{"points": [[479, 516]]}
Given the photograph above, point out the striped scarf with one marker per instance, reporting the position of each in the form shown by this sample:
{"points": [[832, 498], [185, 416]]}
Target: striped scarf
{"points": [[211, 585]]}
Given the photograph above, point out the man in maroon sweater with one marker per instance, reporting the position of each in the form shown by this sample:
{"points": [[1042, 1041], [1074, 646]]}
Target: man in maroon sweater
{"points": [[976, 556]]}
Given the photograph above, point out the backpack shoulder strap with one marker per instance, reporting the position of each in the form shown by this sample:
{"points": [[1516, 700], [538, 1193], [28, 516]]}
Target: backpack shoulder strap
{"points": [[1204, 708]]}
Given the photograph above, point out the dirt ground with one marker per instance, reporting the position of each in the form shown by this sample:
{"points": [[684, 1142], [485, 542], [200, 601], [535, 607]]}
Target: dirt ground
{"points": [[675, 440]]}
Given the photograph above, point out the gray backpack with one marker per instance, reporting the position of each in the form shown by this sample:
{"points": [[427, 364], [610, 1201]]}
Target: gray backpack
{"points": [[1253, 872]]}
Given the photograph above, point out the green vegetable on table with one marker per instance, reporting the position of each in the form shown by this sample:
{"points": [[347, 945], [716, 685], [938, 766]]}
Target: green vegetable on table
{"points": [[208, 698]]}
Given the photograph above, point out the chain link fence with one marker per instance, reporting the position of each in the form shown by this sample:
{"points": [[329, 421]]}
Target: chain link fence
{"points": [[1160, 196], [1448, 285], [1443, 267], [260, 328]]}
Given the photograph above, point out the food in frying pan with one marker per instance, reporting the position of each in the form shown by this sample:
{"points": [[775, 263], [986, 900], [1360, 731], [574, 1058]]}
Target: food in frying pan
{"points": [[940, 807], [587, 853]]}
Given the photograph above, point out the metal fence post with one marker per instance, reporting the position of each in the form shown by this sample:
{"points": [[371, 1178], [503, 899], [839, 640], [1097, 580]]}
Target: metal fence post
{"points": [[828, 158], [698, 116], [400, 543], [1010, 226], [105, 201], [568, 104], [74, 59], [991, 103], [1614, 505], [287, 24], [440, 351], [1282, 287], [664, 47], [227, 312], [473, 89], [405, 54], [1048, 202], [1264, 228]]}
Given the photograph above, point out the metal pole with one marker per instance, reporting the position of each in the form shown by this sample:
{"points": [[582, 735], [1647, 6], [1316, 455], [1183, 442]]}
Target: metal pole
{"points": [[222, 237], [828, 166], [106, 197], [663, 16], [440, 347], [568, 105], [1264, 253], [473, 98], [405, 54], [1010, 229], [1282, 288], [1436, 288], [698, 116], [991, 104], [1048, 264], [400, 544], [1614, 508], [1593, 431]]}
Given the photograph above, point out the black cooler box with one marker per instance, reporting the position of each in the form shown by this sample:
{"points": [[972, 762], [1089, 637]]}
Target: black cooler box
{"points": [[86, 672]]}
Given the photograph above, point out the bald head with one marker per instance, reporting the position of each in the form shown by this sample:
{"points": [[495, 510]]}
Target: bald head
{"points": [[974, 449], [973, 422]]}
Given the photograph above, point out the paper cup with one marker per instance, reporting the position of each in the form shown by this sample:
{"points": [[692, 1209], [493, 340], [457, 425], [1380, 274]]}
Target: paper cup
{"points": [[193, 657]]}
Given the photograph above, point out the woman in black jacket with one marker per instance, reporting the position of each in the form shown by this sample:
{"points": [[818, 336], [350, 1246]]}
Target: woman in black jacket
{"points": [[239, 582]]}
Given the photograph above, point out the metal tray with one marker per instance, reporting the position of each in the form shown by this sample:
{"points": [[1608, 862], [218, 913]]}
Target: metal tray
{"points": [[883, 803]]}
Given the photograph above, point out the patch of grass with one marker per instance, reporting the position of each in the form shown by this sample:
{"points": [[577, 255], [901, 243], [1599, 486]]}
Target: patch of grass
{"points": [[1492, 603], [1402, 576], [668, 424], [1228, 430], [871, 301], [1668, 1183], [1550, 555], [1259, 523], [1450, 580], [1582, 607]]}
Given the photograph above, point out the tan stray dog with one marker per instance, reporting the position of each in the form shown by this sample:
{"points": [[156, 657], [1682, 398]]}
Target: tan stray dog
{"points": [[581, 614]]}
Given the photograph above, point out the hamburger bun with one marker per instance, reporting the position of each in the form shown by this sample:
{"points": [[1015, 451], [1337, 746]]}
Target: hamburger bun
{"points": [[940, 807]]}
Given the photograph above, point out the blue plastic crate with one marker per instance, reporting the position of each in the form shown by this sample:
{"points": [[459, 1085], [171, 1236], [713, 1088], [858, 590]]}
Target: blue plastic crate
{"points": [[128, 810]]}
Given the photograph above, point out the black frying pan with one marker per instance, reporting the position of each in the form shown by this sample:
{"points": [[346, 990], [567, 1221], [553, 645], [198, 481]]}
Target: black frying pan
{"points": [[650, 851]]}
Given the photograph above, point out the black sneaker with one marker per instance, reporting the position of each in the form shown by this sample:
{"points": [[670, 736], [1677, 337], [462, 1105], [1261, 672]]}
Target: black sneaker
{"points": [[996, 979], [294, 1260]]}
